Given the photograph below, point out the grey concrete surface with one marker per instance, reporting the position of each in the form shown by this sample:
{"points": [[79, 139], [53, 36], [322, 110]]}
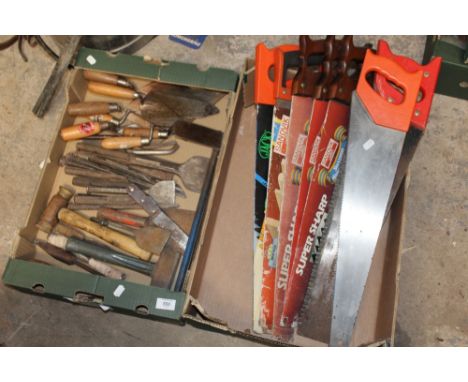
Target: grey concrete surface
{"points": [[433, 306]]}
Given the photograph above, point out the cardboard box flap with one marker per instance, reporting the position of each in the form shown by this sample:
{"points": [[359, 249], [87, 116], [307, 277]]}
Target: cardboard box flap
{"points": [[177, 73], [119, 294]]}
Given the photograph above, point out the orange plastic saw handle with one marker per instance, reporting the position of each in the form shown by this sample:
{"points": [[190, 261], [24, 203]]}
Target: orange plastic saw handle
{"points": [[428, 83], [286, 56], [383, 112], [112, 90], [122, 143], [264, 86]]}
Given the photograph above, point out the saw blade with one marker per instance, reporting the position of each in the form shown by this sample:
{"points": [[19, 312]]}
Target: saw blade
{"points": [[314, 319], [373, 156]]}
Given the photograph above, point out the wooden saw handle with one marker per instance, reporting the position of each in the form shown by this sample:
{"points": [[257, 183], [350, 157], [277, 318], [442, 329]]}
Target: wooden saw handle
{"points": [[116, 239], [91, 108], [122, 143], [112, 90]]}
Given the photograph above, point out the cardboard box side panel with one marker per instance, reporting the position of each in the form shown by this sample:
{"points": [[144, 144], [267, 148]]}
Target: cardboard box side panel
{"points": [[219, 172], [224, 276], [389, 290], [172, 72], [76, 285]]}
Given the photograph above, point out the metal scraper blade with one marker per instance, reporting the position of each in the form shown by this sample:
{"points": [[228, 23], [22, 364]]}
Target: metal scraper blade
{"points": [[372, 160]]}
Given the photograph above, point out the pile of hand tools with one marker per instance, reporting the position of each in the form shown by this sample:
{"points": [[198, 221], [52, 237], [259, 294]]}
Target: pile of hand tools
{"points": [[336, 128], [118, 164]]}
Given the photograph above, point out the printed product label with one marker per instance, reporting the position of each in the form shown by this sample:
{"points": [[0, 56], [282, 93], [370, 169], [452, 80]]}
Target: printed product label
{"points": [[299, 152], [165, 304], [280, 144], [314, 152], [327, 159]]}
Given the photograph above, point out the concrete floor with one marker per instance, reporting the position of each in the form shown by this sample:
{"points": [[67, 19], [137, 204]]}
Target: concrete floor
{"points": [[433, 304]]}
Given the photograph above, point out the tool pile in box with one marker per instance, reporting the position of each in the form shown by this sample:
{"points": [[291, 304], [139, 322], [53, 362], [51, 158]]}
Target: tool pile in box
{"points": [[334, 140], [119, 164]]}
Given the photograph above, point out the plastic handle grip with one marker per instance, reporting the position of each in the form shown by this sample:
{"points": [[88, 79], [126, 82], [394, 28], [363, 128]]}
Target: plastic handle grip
{"points": [[264, 86], [381, 111], [428, 83]]}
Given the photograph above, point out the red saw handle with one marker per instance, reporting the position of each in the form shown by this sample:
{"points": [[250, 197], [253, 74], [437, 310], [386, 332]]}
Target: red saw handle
{"points": [[428, 83], [283, 85], [383, 112]]}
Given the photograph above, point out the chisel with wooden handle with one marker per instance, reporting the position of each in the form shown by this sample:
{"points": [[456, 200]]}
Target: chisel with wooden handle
{"points": [[92, 108], [101, 253], [83, 130], [89, 265], [117, 239], [107, 78]]}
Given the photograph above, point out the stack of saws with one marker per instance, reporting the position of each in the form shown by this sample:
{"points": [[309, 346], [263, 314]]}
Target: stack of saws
{"points": [[337, 125]]}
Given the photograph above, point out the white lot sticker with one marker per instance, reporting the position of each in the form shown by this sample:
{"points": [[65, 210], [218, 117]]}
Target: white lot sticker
{"points": [[119, 290], [165, 303], [368, 144], [91, 60]]}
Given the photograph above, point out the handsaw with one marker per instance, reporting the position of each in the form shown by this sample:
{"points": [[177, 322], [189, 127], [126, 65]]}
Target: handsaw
{"points": [[264, 95], [377, 134], [330, 143], [283, 89], [315, 317], [301, 108]]}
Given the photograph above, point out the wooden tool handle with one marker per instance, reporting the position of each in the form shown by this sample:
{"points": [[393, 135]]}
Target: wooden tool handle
{"points": [[111, 90], [80, 131], [121, 217], [105, 78], [121, 143], [91, 108], [48, 218], [136, 132], [101, 118], [106, 270], [116, 239]]}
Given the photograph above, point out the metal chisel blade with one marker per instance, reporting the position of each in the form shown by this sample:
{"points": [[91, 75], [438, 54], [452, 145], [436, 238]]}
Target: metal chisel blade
{"points": [[372, 159], [158, 217]]}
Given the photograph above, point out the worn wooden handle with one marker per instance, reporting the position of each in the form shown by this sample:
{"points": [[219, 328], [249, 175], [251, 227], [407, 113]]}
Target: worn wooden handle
{"points": [[91, 108], [136, 132], [121, 217], [80, 131], [105, 78], [121, 143], [116, 239], [111, 90]]}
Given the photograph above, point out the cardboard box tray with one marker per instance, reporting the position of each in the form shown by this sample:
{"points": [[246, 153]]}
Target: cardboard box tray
{"points": [[218, 293]]}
